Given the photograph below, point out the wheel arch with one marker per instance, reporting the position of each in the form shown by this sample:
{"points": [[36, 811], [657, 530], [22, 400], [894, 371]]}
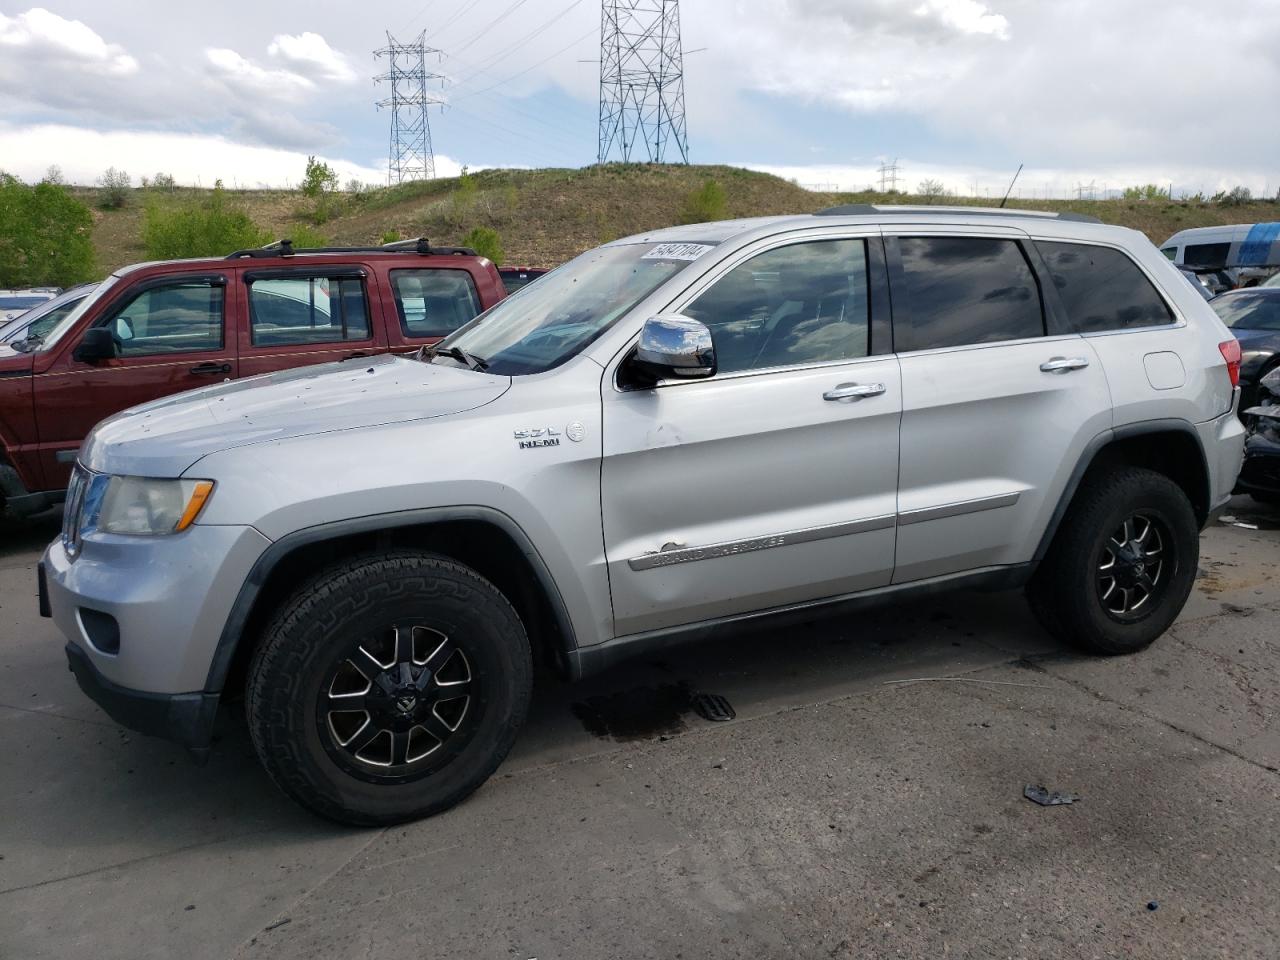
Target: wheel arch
{"points": [[485, 539], [1171, 447]]}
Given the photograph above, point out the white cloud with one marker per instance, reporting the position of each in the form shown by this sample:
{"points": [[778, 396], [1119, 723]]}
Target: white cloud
{"points": [[965, 16], [44, 38], [26, 151], [246, 77], [310, 55]]}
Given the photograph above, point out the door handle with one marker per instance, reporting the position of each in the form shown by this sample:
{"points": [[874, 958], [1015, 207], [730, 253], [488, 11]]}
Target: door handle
{"points": [[1064, 364], [854, 391], [210, 369]]}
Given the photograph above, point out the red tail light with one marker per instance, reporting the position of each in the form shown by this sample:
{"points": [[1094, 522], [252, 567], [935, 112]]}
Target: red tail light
{"points": [[1231, 353]]}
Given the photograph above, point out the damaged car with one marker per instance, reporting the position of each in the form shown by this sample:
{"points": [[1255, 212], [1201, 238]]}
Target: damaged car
{"points": [[1260, 475]]}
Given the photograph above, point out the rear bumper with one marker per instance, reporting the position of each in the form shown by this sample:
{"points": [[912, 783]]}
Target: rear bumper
{"points": [[185, 718]]}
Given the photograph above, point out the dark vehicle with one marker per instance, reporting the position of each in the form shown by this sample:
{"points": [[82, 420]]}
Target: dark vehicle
{"points": [[155, 329], [1201, 286], [513, 278], [1254, 317], [1260, 475]]}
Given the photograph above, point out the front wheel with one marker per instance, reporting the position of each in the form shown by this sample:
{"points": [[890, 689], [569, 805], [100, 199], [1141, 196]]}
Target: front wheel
{"points": [[1122, 564], [389, 688]]}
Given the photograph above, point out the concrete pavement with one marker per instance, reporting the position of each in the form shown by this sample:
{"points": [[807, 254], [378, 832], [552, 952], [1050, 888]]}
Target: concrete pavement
{"points": [[840, 814]]}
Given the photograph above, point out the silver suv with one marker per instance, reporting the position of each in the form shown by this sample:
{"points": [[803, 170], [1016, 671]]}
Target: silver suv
{"points": [[683, 429]]}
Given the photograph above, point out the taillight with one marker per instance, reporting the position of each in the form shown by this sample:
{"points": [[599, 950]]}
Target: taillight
{"points": [[1231, 353]]}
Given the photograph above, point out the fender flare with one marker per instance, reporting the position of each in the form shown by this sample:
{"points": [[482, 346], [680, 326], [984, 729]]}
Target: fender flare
{"points": [[260, 573], [1090, 453]]}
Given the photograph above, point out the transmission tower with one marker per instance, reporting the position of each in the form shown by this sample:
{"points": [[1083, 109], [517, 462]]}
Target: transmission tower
{"points": [[410, 156], [889, 175], [641, 81]]}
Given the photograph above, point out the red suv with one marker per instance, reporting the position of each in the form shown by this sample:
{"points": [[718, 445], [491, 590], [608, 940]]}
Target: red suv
{"points": [[155, 329]]}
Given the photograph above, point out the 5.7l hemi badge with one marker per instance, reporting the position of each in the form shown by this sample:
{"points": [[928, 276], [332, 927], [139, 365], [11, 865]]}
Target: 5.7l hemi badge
{"points": [[537, 437]]}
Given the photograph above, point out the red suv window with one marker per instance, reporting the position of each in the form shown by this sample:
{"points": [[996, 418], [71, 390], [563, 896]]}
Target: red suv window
{"points": [[434, 302]]}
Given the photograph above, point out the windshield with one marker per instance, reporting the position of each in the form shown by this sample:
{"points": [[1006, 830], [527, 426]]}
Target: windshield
{"points": [[1248, 311], [59, 329], [1273, 280], [543, 324], [20, 303], [38, 322]]}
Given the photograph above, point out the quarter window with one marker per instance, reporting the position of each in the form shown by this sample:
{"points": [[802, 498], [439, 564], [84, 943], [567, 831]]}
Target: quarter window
{"points": [[1102, 288], [301, 310], [805, 303], [434, 303], [964, 290], [178, 318]]}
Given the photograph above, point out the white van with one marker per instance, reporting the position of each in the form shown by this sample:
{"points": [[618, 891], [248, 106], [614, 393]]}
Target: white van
{"points": [[1242, 248]]}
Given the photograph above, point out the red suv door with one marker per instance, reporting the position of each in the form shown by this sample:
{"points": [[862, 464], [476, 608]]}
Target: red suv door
{"points": [[307, 314], [171, 334]]}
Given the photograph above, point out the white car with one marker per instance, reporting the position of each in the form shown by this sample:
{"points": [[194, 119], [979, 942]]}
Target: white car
{"points": [[14, 303]]}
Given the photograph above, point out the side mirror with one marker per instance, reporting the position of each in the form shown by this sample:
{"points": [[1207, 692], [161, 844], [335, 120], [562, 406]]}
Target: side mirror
{"points": [[675, 348], [98, 343]]}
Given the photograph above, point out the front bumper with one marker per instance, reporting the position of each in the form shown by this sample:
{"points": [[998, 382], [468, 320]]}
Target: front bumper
{"points": [[185, 718], [143, 617]]}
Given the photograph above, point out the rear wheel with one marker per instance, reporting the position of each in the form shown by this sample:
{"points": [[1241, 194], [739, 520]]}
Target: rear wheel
{"points": [[1122, 564], [389, 688]]}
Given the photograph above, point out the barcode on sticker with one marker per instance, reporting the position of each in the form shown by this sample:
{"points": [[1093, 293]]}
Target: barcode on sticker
{"points": [[677, 251]]}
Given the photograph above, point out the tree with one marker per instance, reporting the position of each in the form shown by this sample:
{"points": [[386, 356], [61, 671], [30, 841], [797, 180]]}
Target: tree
{"points": [[115, 186], [209, 227], [1148, 191], [704, 204], [319, 179], [54, 175], [486, 242], [44, 235], [931, 189]]}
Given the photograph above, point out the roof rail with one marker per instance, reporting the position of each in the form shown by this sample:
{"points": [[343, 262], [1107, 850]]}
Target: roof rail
{"points": [[417, 245], [904, 210]]}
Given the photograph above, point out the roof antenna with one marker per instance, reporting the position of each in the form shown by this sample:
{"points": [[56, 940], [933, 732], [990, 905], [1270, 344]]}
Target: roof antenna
{"points": [[1011, 183]]}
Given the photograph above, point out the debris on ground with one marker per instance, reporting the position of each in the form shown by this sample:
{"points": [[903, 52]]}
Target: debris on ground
{"points": [[1046, 798], [278, 923], [712, 706]]}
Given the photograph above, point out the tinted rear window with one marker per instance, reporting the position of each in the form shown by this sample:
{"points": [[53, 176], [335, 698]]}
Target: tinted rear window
{"points": [[1206, 254], [1102, 288], [963, 290]]}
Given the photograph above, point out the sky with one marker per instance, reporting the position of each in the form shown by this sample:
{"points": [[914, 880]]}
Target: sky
{"points": [[1098, 94]]}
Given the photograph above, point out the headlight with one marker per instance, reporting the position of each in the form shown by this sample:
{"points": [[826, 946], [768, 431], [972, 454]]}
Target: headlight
{"points": [[139, 506]]}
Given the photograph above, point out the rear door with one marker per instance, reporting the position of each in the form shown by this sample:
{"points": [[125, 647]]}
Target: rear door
{"points": [[999, 399], [171, 334], [297, 316]]}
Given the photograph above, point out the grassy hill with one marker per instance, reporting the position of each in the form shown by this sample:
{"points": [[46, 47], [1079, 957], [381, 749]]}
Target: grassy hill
{"points": [[544, 217]]}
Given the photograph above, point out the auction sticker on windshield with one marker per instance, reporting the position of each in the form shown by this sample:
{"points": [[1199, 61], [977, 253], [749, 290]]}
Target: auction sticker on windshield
{"points": [[677, 251]]}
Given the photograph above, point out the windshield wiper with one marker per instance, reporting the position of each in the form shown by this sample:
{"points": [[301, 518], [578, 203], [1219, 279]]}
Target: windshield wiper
{"points": [[457, 353]]}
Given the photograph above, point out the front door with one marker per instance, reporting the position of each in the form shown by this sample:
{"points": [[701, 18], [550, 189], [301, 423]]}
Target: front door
{"points": [[999, 401], [171, 335], [773, 482]]}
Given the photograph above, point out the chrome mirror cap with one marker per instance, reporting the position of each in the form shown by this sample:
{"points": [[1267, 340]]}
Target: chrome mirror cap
{"points": [[675, 347]]}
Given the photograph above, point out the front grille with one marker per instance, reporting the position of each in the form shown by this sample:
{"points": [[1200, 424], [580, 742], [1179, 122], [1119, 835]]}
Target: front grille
{"points": [[73, 509]]}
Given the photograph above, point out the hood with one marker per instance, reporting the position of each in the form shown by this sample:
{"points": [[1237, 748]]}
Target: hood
{"points": [[165, 437]]}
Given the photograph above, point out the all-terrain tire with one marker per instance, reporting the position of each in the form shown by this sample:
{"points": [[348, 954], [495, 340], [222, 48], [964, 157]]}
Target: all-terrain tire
{"points": [[1067, 591], [347, 609]]}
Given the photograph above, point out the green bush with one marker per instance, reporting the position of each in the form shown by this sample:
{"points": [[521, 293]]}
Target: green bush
{"points": [[391, 236], [115, 186], [208, 227], [486, 242], [704, 204], [44, 235], [304, 236]]}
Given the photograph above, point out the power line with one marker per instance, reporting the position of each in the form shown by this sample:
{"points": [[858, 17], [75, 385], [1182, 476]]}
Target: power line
{"points": [[497, 20], [534, 66], [485, 64]]}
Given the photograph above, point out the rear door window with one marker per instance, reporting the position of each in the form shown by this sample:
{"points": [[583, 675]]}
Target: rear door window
{"points": [[967, 290], [1101, 288], [287, 311], [434, 302], [1206, 254]]}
